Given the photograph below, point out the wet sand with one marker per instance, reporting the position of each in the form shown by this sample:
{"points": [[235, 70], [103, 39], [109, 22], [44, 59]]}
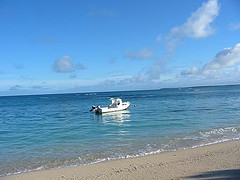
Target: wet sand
{"points": [[218, 161]]}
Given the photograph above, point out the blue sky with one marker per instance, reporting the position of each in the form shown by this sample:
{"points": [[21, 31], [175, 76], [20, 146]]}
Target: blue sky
{"points": [[81, 46]]}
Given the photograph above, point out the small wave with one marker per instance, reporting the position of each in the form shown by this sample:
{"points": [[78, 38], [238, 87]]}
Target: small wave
{"points": [[90, 94], [44, 97], [22, 171], [215, 142], [219, 131]]}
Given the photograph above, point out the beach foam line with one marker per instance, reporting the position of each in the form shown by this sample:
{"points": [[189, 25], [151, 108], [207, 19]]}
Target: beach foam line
{"points": [[173, 165], [128, 156]]}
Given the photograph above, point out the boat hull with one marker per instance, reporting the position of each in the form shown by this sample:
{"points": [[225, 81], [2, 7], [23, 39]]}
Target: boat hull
{"points": [[109, 110]]}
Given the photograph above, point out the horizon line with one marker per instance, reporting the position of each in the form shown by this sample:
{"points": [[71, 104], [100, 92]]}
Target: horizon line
{"points": [[165, 88]]}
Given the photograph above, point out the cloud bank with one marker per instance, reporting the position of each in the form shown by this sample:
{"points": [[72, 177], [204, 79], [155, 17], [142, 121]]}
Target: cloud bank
{"points": [[225, 61], [198, 25]]}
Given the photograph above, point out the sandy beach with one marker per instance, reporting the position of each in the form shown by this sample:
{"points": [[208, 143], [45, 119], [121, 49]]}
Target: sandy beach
{"points": [[220, 161]]}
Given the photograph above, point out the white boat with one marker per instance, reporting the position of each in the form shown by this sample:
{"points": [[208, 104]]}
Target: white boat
{"points": [[116, 105]]}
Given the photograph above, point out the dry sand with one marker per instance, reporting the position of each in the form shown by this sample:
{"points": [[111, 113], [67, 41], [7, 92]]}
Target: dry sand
{"points": [[219, 161]]}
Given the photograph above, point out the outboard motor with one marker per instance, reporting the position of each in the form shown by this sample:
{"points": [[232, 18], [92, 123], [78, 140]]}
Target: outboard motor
{"points": [[93, 108]]}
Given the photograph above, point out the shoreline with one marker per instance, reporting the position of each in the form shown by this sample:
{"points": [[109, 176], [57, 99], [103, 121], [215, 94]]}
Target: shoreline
{"points": [[221, 159]]}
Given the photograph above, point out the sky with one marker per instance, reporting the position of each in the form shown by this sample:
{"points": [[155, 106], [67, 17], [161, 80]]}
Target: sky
{"points": [[73, 46]]}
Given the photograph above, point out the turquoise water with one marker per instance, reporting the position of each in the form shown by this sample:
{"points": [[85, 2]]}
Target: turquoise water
{"points": [[49, 131]]}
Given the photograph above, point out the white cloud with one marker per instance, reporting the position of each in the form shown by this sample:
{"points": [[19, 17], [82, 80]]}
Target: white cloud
{"points": [[225, 62], [142, 54], [225, 58], [235, 26], [156, 74], [64, 65], [198, 25]]}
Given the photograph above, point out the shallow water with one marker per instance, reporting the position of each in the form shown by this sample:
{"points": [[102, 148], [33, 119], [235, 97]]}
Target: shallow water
{"points": [[48, 131]]}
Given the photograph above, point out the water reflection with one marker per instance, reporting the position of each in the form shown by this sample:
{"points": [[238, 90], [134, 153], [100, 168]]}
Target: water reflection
{"points": [[119, 118]]}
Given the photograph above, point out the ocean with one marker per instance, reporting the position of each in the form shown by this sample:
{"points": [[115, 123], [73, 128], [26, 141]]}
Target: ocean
{"points": [[51, 131]]}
